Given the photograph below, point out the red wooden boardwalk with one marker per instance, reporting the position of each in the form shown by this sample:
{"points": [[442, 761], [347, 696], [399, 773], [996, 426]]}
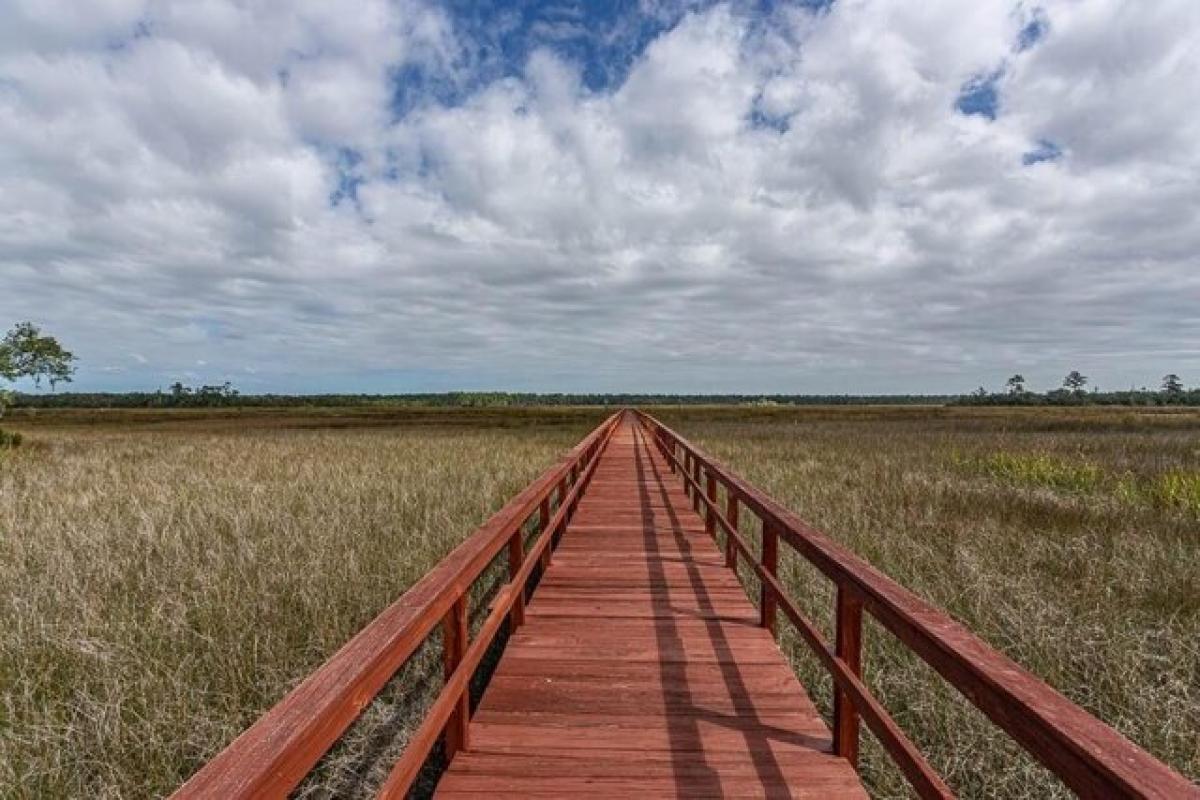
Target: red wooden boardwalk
{"points": [[641, 669]]}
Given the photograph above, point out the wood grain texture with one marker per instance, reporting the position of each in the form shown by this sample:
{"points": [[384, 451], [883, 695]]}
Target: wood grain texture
{"points": [[274, 754], [642, 669], [1090, 757]]}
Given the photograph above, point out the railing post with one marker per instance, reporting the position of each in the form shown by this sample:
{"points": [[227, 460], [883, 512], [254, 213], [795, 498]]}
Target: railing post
{"points": [[731, 514], [516, 557], [687, 470], [454, 647], [770, 562], [710, 515], [848, 648], [543, 523], [696, 486], [669, 451]]}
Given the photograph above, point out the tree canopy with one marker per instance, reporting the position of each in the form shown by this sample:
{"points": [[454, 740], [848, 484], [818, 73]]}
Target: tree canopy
{"points": [[25, 352]]}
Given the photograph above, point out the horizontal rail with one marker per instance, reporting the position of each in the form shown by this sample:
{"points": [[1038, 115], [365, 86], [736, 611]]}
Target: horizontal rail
{"points": [[914, 766], [1090, 757], [406, 769], [272, 756]]}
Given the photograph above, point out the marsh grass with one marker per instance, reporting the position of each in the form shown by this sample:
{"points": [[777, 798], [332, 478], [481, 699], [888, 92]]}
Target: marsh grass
{"points": [[167, 576], [1069, 543], [165, 583], [1173, 490]]}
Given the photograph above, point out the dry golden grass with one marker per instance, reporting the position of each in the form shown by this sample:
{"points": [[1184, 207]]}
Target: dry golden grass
{"points": [[1066, 538], [169, 575], [163, 585]]}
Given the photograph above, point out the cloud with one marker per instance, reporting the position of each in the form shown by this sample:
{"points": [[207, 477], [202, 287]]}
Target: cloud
{"points": [[682, 197]]}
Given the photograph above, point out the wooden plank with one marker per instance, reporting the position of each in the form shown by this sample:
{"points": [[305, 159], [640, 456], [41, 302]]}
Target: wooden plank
{"points": [[274, 754], [1090, 757], [642, 669]]}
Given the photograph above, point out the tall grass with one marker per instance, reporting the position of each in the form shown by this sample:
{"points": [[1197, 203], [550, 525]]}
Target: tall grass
{"points": [[168, 576], [163, 587], [1069, 542]]}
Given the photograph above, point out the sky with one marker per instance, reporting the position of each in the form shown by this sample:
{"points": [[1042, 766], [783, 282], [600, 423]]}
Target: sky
{"points": [[851, 196]]}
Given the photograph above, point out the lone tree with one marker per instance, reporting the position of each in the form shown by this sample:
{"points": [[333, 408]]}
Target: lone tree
{"points": [[26, 353], [1075, 381], [1172, 385], [1016, 384]]}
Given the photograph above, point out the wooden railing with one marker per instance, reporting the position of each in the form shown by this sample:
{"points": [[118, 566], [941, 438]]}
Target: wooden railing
{"points": [[1087, 755], [272, 756]]}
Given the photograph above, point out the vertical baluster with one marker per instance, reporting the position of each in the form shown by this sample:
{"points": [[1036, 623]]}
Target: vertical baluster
{"points": [[848, 648], [731, 514], [454, 647], [516, 557], [543, 523], [770, 562], [696, 485], [710, 514]]}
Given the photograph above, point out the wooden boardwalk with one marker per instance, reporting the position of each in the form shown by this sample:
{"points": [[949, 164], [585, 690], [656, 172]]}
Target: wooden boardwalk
{"points": [[641, 669]]}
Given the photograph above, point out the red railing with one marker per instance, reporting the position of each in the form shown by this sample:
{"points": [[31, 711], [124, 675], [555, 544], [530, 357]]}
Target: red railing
{"points": [[272, 756], [1087, 755]]}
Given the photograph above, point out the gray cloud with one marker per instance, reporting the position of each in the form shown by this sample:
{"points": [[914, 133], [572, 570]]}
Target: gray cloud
{"points": [[782, 205]]}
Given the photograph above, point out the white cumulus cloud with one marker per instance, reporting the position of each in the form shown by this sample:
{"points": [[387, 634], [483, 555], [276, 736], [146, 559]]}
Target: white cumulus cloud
{"points": [[296, 197]]}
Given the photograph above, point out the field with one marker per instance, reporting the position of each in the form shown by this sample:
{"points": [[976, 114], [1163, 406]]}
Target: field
{"points": [[168, 575]]}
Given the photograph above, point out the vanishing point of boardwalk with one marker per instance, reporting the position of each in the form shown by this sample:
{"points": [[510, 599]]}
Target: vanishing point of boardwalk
{"points": [[642, 669]]}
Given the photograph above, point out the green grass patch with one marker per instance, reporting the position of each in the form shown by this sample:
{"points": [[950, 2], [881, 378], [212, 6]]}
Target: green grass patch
{"points": [[1174, 490], [1177, 490], [1043, 470]]}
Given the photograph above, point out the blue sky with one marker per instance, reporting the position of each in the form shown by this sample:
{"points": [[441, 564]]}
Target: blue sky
{"points": [[847, 196]]}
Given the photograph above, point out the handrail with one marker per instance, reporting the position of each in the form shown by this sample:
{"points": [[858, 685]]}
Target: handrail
{"points": [[273, 755], [1091, 758]]}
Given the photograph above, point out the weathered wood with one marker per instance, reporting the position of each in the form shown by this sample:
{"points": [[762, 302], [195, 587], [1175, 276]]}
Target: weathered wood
{"points": [[454, 646], [516, 557], [543, 524], [848, 647], [1088, 755], [642, 669], [731, 515], [275, 753], [405, 771], [770, 562], [710, 522]]}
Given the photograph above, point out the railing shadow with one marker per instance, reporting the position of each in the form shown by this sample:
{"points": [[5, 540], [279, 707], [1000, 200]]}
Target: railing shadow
{"points": [[683, 728]]}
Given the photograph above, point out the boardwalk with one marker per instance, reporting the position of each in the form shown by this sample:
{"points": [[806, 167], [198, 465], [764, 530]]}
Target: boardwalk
{"points": [[639, 667], [642, 669]]}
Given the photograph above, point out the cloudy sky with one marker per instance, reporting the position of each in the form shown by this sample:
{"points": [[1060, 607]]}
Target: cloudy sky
{"points": [[389, 195]]}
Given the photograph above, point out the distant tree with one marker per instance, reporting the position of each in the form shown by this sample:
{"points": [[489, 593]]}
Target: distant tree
{"points": [[1016, 384], [26, 352], [1075, 381], [1172, 385]]}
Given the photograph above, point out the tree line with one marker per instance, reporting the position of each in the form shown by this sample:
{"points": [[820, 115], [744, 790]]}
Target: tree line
{"points": [[224, 396], [1074, 391], [26, 352]]}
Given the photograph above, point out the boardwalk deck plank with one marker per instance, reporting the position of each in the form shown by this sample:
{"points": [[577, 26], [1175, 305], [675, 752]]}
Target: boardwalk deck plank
{"points": [[641, 670]]}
